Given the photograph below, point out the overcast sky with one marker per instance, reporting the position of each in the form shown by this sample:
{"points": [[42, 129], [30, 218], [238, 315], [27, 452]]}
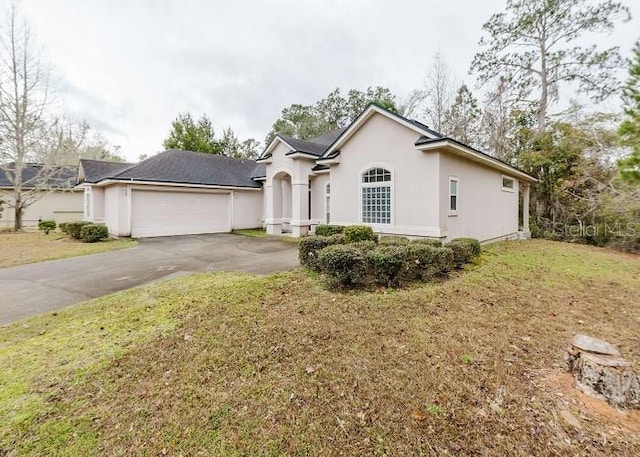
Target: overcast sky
{"points": [[130, 66]]}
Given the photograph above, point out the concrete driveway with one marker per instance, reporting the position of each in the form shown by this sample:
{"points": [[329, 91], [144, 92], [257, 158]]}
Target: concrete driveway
{"points": [[41, 287]]}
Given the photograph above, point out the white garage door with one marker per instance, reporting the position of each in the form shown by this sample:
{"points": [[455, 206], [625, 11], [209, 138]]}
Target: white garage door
{"points": [[155, 213]]}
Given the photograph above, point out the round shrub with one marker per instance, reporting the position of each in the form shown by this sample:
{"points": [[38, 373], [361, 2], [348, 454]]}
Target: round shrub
{"points": [[90, 233], [421, 261], [428, 241], [364, 246], [63, 227], [47, 226], [328, 230], [393, 240], [343, 265], [464, 250], [309, 248], [443, 260], [355, 233], [387, 263], [338, 238], [73, 228]]}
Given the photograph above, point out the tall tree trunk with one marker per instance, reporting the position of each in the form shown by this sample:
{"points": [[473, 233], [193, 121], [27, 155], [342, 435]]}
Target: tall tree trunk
{"points": [[17, 223], [544, 92]]}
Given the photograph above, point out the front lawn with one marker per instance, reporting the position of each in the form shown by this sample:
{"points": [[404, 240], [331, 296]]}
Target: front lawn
{"points": [[30, 247], [230, 364]]}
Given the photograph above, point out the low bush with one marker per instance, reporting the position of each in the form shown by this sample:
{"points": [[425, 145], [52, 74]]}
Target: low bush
{"points": [[309, 249], [63, 227], [355, 233], [428, 241], [73, 228], [343, 265], [393, 240], [47, 226], [328, 230], [364, 246], [443, 260], [464, 250], [387, 262], [91, 233], [422, 261]]}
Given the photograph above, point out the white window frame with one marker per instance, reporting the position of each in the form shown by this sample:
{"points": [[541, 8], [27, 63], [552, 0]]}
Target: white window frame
{"points": [[327, 203], [388, 184], [508, 189], [88, 194], [453, 212]]}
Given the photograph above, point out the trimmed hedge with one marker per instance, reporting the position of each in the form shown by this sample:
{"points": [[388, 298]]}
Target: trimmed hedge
{"points": [[308, 250], [310, 247], [344, 265], [91, 233], [328, 230], [428, 241], [443, 260], [355, 233], [47, 226], [387, 263], [73, 228], [421, 261], [464, 250], [393, 240], [390, 263]]}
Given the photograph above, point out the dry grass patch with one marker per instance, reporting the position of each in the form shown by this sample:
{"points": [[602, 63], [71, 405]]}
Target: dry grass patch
{"points": [[280, 366], [30, 247]]}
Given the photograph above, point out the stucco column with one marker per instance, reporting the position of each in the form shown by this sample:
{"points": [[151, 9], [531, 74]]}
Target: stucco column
{"points": [[525, 210], [274, 207], [300, 208]]}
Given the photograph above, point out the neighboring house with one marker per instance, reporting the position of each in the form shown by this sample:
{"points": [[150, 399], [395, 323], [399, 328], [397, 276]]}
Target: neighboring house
{"points": [[51, 193], [173, 193], [391, 173]]}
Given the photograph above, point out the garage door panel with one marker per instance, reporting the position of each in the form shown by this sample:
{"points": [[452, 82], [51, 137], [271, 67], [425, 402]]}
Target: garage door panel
{"points": [[163, 213]]}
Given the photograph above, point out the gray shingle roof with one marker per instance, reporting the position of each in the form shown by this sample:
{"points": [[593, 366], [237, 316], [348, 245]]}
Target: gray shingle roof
{"points": [[37, 174], [187, 167], [97, 170], [304, 146]]}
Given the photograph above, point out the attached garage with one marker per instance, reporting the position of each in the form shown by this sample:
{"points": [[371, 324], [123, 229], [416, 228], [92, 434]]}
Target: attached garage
{"points": [[163, 213], [173, 193]]}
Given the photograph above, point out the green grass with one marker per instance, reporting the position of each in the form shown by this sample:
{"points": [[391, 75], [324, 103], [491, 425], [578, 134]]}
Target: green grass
{"points": [[256, 233], [31, 247], [230, 364]]}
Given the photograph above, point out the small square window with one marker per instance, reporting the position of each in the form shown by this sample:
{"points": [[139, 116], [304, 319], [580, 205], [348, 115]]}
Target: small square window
{"points": [[508, 184]]}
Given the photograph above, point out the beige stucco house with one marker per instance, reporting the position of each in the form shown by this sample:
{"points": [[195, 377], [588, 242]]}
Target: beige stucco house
{"points": [[396, 175], [383, 170], [50, 194]]}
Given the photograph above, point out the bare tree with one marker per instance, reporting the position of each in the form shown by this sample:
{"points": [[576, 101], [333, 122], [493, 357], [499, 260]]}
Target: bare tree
{"points": [[440, 89], [24, 99], [65, 143]]}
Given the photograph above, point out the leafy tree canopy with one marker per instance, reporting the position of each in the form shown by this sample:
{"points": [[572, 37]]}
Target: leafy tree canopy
{"points": [[188, 135], [333, 111], [630, 128]]}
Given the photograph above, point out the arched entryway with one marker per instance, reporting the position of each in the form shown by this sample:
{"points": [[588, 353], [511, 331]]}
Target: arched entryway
{"points": [[287, 203]]}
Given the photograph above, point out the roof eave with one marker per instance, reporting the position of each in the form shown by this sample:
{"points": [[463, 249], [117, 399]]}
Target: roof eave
{"points": [[301, 155], [469, 153]]}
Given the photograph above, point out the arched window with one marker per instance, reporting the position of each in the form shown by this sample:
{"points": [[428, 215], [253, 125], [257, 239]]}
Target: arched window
{"points": [[376, 196]]}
